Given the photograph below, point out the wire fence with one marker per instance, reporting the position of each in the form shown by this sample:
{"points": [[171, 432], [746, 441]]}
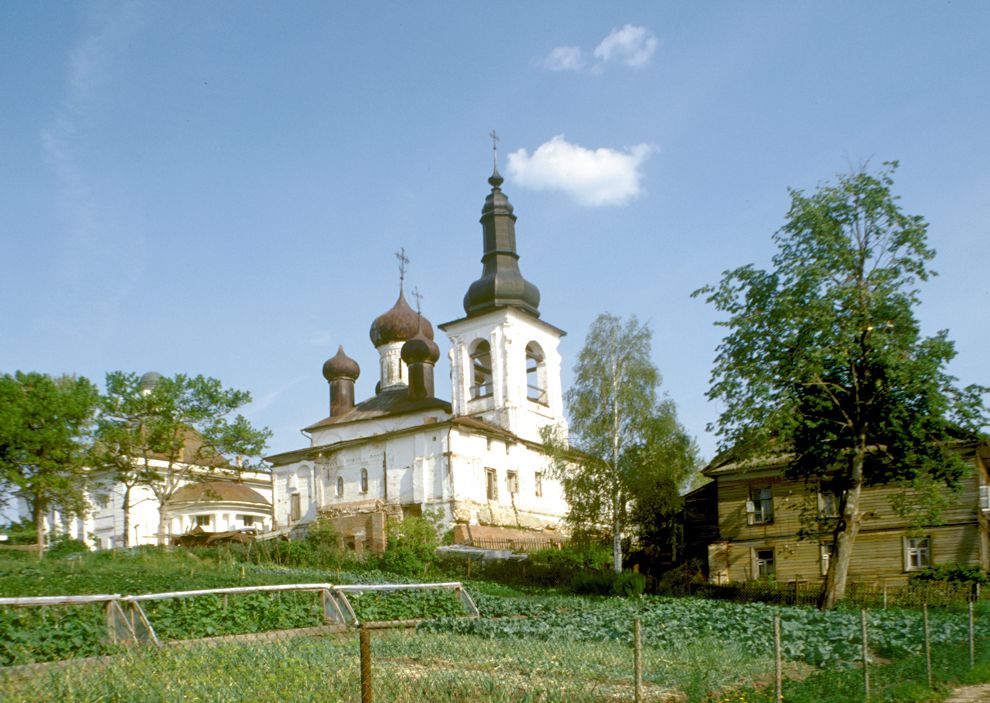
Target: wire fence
{"points": [[862, 595], [221, 646]]}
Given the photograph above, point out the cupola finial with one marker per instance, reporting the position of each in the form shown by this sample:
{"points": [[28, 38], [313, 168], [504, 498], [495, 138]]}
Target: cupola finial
{"points": [[403, 262], [496, 178]]}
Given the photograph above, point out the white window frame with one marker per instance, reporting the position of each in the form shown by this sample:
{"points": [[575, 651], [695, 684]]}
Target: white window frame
{"points": [[824, 557], [759, 507], [917, 553], [764, 569]]}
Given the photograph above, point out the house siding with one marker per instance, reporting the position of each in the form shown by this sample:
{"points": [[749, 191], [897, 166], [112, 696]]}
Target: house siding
{"points": [[879, 552]]}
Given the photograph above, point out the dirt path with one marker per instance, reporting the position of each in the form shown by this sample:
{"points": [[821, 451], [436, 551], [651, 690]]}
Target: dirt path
{"points": [[971, 694]]}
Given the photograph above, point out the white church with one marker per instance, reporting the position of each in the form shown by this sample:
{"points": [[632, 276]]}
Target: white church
{"points": [[475, 461]]}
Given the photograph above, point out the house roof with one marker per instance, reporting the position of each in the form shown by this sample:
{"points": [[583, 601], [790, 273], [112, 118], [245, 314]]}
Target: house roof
{"points": [[217, 492], [392, 401]]}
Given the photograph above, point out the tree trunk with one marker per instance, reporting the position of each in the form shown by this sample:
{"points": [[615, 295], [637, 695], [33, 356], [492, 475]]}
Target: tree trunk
{"points": [[162, 523], [616, 534], [39, 528], [126, 507], [844, 538]]}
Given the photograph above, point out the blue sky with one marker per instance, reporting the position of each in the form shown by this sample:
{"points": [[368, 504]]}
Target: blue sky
{"points": [[219, 187]]}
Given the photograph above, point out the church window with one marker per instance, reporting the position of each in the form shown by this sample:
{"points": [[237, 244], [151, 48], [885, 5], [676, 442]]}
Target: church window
{"points": [[536, 374], [539, 484], [364, 480], [295, 507], [481, 370], [340, 487], [203, 520], [512, 481], [491, 484]]}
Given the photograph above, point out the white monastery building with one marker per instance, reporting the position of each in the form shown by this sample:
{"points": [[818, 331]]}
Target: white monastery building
{"points": [[477, 460]]}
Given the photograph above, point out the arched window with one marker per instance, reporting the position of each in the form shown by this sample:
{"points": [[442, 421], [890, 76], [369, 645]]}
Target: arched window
{"points": [[364, 480], [481, 370], [340, 487], [536, 374]]}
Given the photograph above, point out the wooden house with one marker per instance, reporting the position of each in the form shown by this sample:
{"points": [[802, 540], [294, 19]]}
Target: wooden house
{"points": [[774, 528]]}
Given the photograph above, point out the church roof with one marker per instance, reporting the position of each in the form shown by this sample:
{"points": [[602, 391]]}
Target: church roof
{"points": [[392, 401], [217, 491], [501, 282], [398, 324]]}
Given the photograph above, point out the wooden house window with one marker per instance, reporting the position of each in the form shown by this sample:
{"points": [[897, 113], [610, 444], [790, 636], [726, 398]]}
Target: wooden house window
{"points": [[825, 552], [829, 502], [763, 564], [759, 507], [491, 484], [917, 553]]}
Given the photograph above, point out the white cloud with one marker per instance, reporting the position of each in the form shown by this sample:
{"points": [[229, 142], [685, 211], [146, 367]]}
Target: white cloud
{"points": [[593, 177], [631, 45], [564, 58]]}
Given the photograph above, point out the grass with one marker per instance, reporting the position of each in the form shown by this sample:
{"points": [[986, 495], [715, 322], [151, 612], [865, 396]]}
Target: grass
{"points": [[477, 664]]}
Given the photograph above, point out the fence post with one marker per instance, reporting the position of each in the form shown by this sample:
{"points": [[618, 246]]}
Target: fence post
{"points": [[367, 694], [928, 645], [866, 655], [972, 638], [638, 659], [778, 673], [884, 595]]}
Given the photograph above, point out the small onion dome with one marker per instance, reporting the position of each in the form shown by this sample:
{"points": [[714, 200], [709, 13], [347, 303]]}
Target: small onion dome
{"points": [[419, 349], [341, 366], [149, 381], [398, 324]]}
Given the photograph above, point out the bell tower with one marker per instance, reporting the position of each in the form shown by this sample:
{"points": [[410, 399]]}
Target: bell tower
{"points": [[505, 367]]}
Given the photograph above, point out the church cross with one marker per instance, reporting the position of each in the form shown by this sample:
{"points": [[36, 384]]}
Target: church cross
{"points": [[403, 262], [418, 297], [495, 141]]}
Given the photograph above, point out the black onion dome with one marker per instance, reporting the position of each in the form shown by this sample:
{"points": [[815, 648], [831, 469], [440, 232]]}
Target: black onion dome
{"points": [[341, 366], [501, 282], [398, 324], [420, 349]]}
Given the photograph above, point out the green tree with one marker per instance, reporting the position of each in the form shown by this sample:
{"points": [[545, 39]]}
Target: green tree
{"points": [[45, 426], [824, 358], [163, 433], [626, 454]]}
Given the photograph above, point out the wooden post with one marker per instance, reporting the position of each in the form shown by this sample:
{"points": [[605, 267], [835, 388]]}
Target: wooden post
{"points": [[638, 659], [778, 672], [469, 567], [972, 639], [884, 595], [367, 694], [866, 655], [928, 645]]}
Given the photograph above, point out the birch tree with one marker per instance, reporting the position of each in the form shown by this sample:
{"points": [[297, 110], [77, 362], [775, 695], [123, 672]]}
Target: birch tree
{"points": [[623, 439]]}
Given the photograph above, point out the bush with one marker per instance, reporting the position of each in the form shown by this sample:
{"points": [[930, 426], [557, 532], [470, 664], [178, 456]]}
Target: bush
{"points": [[952, 573], [593, 583], [64, 545], [629, 584], [411, 546]]}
